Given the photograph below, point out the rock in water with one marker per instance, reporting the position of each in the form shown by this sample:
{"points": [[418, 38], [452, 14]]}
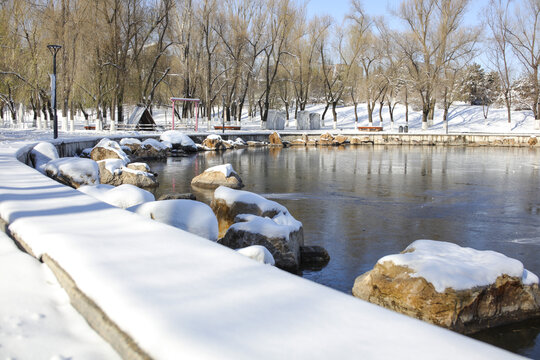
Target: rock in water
{"points": [[179, 140], [326, 139], [72, 171], [113, 172], [213, 142], [313, 257], [275, 140], [108, 149], [461, 289], [221, 175]]}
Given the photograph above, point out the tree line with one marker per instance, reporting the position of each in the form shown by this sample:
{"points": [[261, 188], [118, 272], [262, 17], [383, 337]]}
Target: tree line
{"points": [[256, 55]]}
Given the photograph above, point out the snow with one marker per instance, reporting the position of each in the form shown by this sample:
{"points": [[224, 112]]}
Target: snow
{"points": [[447, 265], [96, 191], [122, 196], [42, 153], [283, 217], [192, 216], [129, 141], [239, 141], [176, 137], [258, 253], [113, 165], [213, 137], [262, 225], [177, 293], [83, 171], [226, 169], [154, 143], [113, 146], [36, 317]]}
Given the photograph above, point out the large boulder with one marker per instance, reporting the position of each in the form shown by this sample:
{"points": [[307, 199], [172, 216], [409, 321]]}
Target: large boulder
{"points": [[275, 140], [192, 216], [133, 144], [123, 196], [114, 172], [73, 171], [340, 140], [108, 149], [221, 175], [151, 149], [247, 219], [179, 140], [326, 139], [41, 154], [213, 142], [462, 289]]}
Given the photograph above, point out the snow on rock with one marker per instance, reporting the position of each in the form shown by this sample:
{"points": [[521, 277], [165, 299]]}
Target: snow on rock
{"points": [[41, 154], [258, 253], [108, 149], [95, 191], [247, 219], [153, 143], [213, 142], [123, 196], [179, 140], [459, 288], [73, 171], [114, 172], [221, 175], [192, 216], [447, 265], [37, 320], [131, 143]]}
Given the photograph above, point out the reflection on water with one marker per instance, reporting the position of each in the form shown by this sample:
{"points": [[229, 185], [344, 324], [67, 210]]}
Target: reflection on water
{"points": [[362, 203]]}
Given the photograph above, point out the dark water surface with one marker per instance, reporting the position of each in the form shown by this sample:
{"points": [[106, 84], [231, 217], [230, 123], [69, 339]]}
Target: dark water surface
{"points": [[362, 203]]}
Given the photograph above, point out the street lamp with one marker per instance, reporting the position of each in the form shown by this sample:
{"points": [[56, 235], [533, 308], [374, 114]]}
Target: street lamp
{"points": [[223, 117], [54, 50]]}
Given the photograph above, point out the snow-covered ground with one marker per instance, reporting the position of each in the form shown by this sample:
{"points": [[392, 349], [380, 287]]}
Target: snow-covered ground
{"points": [[462, 119], [176, 293]]}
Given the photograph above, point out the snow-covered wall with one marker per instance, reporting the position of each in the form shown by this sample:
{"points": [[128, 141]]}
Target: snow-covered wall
{"points": [[154, 290]]}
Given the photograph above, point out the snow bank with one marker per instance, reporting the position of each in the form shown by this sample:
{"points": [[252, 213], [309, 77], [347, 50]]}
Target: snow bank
{"points": [[176, 137], [447, 265], [192, 216], [123, 196], [37, 320], [258, 253], [82, 171], [41, 154], [95, 191], [226, 169]]}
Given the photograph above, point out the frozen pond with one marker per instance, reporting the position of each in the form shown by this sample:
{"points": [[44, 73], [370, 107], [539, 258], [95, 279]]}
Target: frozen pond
{"points": [[364, 202]]}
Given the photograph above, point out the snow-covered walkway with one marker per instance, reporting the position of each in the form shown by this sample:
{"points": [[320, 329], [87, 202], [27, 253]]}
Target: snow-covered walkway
{"points": [[179, 295]]}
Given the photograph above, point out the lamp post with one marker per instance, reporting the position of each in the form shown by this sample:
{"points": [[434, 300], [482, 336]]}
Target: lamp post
{"points": [[54, 50], [223, 117]]}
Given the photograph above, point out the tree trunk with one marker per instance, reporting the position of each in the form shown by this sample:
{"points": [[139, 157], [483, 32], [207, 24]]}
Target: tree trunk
{"points": [[325, 110], [406, 107], [356, 113], [370, 113], [381, 104], [508, 107], [334, 113]]}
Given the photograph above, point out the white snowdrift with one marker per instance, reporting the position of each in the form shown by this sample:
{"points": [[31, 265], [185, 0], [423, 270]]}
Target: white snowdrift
{"points": [[447, 265], [83, 171], [42, 153], [192, 216], [258, 253], [153, 143], [176, 137], [37, 320], [122, 196], [226, 169]]}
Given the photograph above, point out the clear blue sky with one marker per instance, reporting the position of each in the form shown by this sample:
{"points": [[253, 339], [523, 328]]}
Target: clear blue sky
{"points": [[338, 8]]}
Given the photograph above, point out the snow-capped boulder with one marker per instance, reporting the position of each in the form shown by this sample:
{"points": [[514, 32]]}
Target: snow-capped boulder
{"points": [[275, 140], [258, 253], [221, 175], [340, 140], [73, 171], [240, 143], [326, 139], [247, 219], [114, 172], [179, 140], [177, 196], [192, 216], [108, 149], [356, 140], [255, 144], [213, 142], [41, 154], [151, 149], [123, 196], [95, 191], [132, 143], [459, 288]]}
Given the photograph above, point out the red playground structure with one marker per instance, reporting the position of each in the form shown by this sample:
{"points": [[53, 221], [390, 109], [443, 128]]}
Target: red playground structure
{"points": [[196, 101]]}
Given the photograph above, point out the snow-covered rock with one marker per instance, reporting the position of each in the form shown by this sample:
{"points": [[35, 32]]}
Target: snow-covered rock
{"points": [[275, 140], [258, 253], [213, 142], [179, 140], [356, 140], [73, 171], [132, 143], [95, 191], [256, 144], [41, 154], [108, 149], [459, 288], [192, 216], [115, 172], [326, 139], [221, 175], [151, 149], [123, 196], [248, 219]]}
